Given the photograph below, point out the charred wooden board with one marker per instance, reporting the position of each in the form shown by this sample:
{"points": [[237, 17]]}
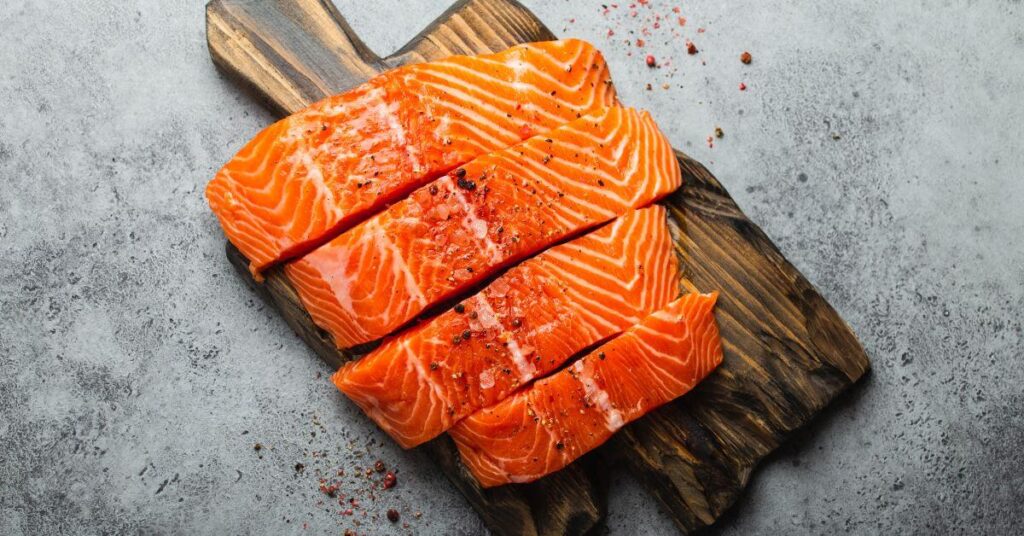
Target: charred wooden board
{"points": [[787, 352]]}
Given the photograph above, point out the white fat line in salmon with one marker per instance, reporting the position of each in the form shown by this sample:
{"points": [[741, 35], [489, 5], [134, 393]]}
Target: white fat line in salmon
{"points": [[306, 159], [425, 377], [489, 319], [599, 397], [473, 224], [477, 121]]}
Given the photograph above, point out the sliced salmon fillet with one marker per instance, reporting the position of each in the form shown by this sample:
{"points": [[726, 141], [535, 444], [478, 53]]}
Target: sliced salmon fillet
{"points": [[313, 174], [556, 420], [520, 327], [495, 210]]}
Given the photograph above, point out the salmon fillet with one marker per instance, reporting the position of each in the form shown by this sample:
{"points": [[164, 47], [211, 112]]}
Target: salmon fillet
{"points": [[315, 173], [545, 427], [492, 212], [523, 325]]}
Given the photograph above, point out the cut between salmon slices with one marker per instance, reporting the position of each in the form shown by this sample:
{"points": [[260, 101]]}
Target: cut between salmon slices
{"points": [[556, 420], [523, 325], [317, 172], [488, 214]]}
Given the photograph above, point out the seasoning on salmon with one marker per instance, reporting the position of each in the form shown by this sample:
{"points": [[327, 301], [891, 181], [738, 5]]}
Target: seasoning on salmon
{"points": [[556, 420], [315, 173], [523, 325], [494, 211]]}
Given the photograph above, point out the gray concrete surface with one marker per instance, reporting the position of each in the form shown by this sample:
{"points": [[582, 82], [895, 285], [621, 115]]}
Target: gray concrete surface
{"points": [[879, 143]]}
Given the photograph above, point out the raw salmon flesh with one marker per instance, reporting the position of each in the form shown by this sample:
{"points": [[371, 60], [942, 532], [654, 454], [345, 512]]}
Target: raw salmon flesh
{"points": [[520, 327], [484, 220], [545, 427], [493, 211], [317, 172]]}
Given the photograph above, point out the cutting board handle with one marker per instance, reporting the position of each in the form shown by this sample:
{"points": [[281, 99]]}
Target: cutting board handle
{"points": [[310, 51]]}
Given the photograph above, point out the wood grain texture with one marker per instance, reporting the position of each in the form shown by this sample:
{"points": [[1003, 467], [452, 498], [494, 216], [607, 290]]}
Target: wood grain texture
{"points": [[787, 352], [787, 355]]}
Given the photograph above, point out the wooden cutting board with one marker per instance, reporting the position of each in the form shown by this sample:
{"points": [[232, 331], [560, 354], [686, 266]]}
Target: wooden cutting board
{"points": [[787, 352]]}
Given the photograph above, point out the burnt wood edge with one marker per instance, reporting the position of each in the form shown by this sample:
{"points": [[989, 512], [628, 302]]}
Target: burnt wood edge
{"points": [[704, 194], [675, 449]]}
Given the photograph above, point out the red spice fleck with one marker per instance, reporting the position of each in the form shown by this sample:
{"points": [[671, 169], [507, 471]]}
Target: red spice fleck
{"points": [[610, 32], [632, 13], [711, 142], [700, 30], [682, 21], [329, 490], [691, 48], [657, 25], [640, 43], [393, 515], [572, 21], [743, 87], [746, 58], [390, 480], [651, 62], [675, 9]]}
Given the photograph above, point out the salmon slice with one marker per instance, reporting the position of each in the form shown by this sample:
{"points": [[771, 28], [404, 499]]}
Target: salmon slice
{"points": [[317, 172], [545, 427], [492, 212], [520, 327]]}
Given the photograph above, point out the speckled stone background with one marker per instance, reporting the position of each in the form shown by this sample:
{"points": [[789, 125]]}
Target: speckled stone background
{"points": [[879, 144]]}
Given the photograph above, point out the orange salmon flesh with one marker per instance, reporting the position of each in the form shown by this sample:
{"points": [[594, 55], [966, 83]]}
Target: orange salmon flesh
{"points": [[520, 327], [486, 215], [558, 419], [515, 187], [309, 176]]}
